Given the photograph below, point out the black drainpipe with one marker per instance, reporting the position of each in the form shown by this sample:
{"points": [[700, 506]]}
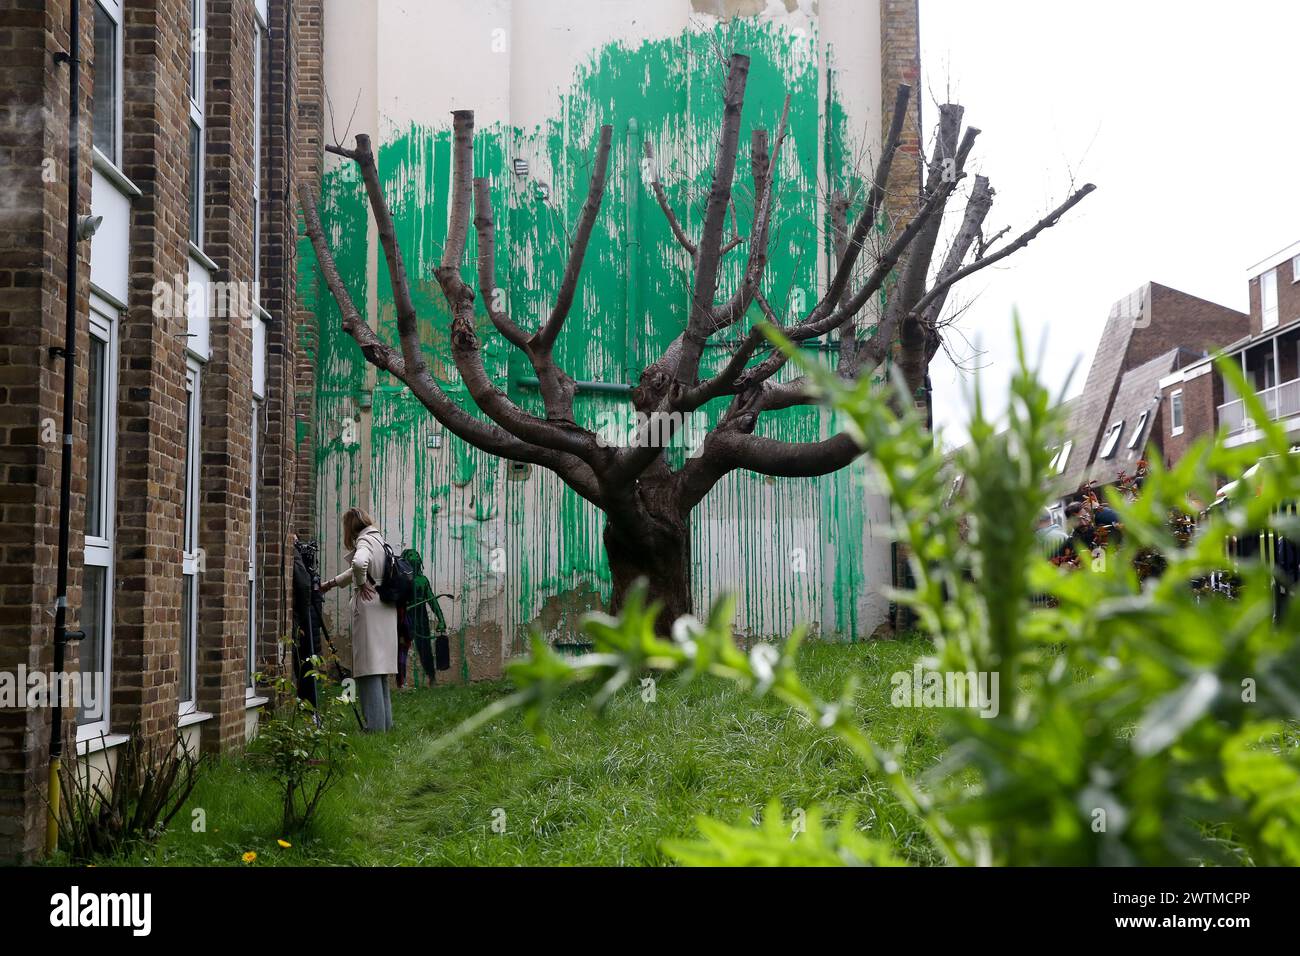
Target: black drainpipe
{"points": [[68, 352]]}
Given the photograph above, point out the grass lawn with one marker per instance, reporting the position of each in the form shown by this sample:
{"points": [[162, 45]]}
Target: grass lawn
{"points": [[606, 792]]}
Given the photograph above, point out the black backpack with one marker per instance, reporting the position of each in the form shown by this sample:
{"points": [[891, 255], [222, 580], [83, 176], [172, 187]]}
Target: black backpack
{"points": [[398, 585]]}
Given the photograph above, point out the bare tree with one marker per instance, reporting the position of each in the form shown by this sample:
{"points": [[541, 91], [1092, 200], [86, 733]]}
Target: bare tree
{"points": [[648, 503]]}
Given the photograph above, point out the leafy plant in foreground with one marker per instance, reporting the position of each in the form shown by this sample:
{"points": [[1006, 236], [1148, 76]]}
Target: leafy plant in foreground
{"points": [[1138, 720]]}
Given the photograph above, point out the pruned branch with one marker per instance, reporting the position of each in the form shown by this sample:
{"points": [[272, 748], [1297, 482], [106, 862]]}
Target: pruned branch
{"points": [[764, 166], [482, 435], [732, 379], [709, 251], [544, 340], [487, 283], [972, 223], [1024, 239], [871, 211], [558, 433], [407, 327], [462, 172], [657, 186]]}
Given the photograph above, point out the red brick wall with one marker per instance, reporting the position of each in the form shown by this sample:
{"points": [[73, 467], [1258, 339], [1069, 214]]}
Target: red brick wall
{"points": [[307, 159], [1288, 298], [33, 246], [1201, 399], [900, 62], [225, 469], [151, 373], [291, 147], [1178, 319], [151, 449]]}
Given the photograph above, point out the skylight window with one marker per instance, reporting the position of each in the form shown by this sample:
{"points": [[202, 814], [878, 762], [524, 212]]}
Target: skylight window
{"points": [[1137, 430], [1112, 439], [1060, 458]]}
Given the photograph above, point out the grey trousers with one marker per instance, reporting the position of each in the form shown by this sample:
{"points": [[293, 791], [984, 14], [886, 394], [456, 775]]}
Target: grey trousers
{"points": [[376, 704]]}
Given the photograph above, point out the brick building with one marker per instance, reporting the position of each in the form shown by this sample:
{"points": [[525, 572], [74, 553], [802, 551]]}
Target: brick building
{"points": [[196, 117], [1269, 353], [1150, 336]]}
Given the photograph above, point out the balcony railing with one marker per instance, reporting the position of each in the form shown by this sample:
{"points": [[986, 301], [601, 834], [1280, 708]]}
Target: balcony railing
{"points": [[1280, 401]]}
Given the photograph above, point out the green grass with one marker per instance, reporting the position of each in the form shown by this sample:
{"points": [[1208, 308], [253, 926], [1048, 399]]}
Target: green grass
{"points": [[606, 792]]}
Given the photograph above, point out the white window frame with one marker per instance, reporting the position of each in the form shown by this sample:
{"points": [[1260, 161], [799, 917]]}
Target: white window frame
{"points": [[99, 550], [191, 554], [1112, 438], [1137, 429], [1268, 280], [113, 9], [198, 78], [1176, 412], [1295, 270], [254, 478], [1061, 457]]}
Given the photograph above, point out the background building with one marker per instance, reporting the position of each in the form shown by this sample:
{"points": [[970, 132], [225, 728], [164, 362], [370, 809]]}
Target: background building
{"points": [[1119, 416], [515, 546], [1269, 353], [196, 118]]}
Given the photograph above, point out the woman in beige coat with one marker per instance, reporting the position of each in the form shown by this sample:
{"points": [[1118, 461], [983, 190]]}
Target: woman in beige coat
{"points": [[374, 623]]}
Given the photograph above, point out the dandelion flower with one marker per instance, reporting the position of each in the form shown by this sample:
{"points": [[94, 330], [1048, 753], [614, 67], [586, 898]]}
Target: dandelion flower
{"points": [[284, 843], [250, 856]]}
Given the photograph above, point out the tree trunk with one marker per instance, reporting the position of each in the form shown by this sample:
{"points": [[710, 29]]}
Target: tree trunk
{"points": [[662, 557]]}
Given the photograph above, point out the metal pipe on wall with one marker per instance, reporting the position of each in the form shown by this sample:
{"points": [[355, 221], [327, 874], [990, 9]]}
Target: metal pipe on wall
{"points": [[68, 352]]}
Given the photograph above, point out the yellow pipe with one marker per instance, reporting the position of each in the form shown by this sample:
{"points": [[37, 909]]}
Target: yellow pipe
{"points": [[52, 821]]}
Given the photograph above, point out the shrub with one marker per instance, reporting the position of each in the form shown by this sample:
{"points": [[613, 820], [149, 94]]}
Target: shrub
{"points": [[132, 801], [305, 748]]}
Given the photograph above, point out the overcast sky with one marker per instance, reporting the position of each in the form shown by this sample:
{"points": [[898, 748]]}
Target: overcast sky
{"points": [[1185, 114]]}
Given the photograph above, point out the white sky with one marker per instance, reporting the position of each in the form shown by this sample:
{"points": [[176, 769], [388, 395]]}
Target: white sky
{"points": [[1185, 114]]}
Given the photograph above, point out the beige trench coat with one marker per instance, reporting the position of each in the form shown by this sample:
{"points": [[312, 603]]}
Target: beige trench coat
{"points": [[374, 623]]}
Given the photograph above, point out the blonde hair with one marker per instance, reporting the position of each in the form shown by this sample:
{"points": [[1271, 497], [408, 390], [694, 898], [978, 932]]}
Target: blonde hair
{"points": [[355, 521]]}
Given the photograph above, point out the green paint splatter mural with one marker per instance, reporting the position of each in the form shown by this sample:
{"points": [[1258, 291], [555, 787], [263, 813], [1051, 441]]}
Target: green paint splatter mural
{"points": [[512, 542]]}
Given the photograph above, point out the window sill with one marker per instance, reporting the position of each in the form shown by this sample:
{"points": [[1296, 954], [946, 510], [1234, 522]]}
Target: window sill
{"points": [[108, 297], [192, 718], [108, 169], [199, 256], [92, 745], [252, 703]]}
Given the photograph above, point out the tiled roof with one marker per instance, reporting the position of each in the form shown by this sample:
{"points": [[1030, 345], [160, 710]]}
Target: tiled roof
{"points": [[1138, 395], [1088, 414], [1151, 332]]}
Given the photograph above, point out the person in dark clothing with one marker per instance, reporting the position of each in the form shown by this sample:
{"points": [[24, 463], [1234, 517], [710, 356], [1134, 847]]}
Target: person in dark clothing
{"points": [[417, 616], [1106, 519], [308, 617], [1078, 519]]}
